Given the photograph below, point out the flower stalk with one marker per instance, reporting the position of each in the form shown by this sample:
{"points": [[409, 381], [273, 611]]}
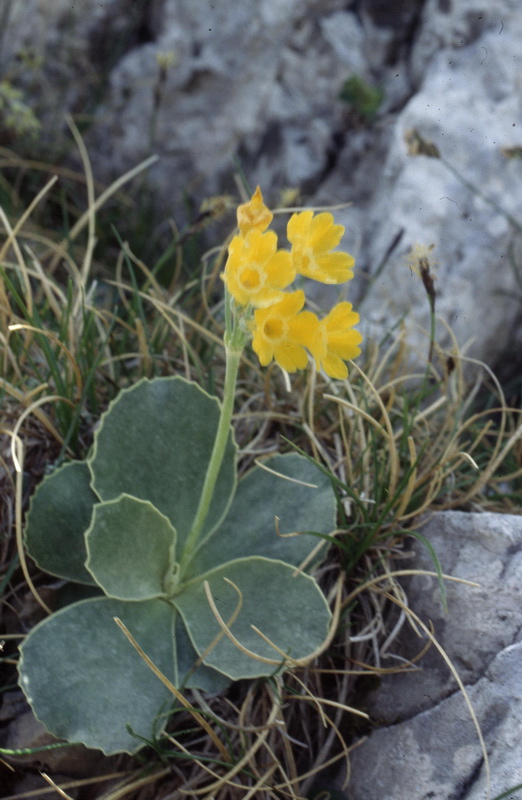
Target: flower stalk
{"points": [[234, 346]]}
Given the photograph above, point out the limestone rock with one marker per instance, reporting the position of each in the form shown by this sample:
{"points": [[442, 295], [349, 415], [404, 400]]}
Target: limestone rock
{"points": [[436, 755], [58, 53], [480, 622], [466, 101], [428, 748]]}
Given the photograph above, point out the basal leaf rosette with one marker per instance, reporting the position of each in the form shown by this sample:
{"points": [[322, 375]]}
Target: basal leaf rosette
{"points": [[120, 520], [201, 570]]}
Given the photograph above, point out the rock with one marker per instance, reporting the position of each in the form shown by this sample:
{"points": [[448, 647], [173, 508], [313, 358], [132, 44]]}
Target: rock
{"points": [[436, 754], [26, 732], [239, 81], [428, 748], [480, 622], [468, 105], [54, 54]]}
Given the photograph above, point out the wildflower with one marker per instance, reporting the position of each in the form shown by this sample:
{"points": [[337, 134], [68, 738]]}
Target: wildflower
{"points": [[281, 332], [312, 240], [254, 215], [336, 341], [256, 271]]}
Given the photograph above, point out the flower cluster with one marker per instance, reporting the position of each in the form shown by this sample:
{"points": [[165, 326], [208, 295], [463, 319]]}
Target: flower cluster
{"points": [[257, 273]]}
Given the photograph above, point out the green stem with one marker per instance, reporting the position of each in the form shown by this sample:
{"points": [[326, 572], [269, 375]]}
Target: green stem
{"points": [[233, 357]]}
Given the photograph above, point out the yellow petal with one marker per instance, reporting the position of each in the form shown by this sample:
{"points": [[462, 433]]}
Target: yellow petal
{"points": [[261, 246], [236, 245], [254, 215], [303, 329], [280, 269], [324, 234], [262, 348], [290, 304], [346, 345], [290, 356], [255, 272], [341, 316], [335, 367], [337, 267], [298, 226]]}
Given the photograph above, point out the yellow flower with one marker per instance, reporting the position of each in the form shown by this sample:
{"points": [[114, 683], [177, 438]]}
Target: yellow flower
{"points": [[336, 341], [282, 333], [312, 239], [256, 271], [254, 214]]}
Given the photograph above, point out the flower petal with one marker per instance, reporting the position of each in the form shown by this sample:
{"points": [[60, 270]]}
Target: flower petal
{"points": [[299, 226], [342, 315], [336, 267], [262, 348], [280, 270], [345, 345], [290, 304], [303, 328], [254, 215], [313, 239], [324, 234], [273, 336], [290, 356], [336, 341], [255, 271], [335, 367]]}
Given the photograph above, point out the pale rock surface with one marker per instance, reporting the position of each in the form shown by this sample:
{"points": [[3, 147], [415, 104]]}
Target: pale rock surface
{"points": [[465, 67], [58, 52], [428, 748]]}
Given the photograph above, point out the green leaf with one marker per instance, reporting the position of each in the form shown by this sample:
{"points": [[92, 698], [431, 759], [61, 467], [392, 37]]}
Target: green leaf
{"points": [[154, 443], [290, 609], [130, 550], [86, 682], [59, 514], [249, 527], [201, 677]]}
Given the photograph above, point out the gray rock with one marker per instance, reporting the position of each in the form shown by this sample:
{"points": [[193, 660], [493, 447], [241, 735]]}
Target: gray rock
{"points": [[467, 103], [436, 754], [480, 622], [260, 79], [428, 748], [55, 51]]}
